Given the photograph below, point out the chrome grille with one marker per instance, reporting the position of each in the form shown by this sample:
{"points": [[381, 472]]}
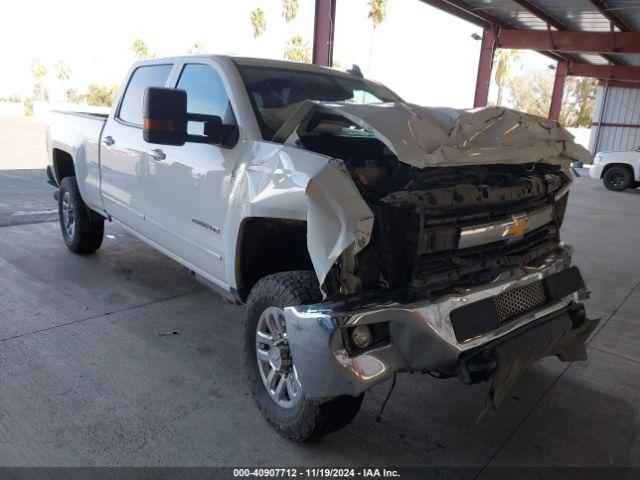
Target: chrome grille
{"points": [[520, 300]]}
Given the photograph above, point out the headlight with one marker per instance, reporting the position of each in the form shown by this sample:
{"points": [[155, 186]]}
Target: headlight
{"points": [[596, 159]]}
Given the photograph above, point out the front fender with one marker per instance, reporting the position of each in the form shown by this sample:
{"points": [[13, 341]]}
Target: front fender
{"points": [[337, 217], [291, 183]]}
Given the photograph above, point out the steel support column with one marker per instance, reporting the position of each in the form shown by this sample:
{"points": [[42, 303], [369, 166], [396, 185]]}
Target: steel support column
{"points": [[558, 91], [485, 63], [323, 32]]}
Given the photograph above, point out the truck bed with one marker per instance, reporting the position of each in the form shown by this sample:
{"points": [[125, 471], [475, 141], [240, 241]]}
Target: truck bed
{"points": [[92, 115], [77, 134]]}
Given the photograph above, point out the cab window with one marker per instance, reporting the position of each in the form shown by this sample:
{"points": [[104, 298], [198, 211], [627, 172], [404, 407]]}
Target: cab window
{"points": [[206, 95], [143, 77]]}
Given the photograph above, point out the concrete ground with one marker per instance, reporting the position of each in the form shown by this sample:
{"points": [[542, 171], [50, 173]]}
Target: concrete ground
{"points": [[22, 144], [90, 376]]}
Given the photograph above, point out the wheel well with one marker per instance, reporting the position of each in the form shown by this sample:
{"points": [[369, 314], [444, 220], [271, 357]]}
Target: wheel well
{"points": [[611, 165], [62, 165], [269, 245]]}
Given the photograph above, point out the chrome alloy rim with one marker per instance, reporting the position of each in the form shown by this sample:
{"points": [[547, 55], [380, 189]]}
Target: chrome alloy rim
{"points": [[68, 218], [274, 359]]}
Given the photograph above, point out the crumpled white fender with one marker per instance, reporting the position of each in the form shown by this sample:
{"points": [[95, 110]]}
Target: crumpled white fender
{"points": [[337, 217]]}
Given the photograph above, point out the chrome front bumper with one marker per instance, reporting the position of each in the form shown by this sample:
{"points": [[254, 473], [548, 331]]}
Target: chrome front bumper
{"points": [[421, 335]]}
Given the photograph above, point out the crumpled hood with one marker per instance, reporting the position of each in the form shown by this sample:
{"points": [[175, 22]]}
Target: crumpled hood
{"points": [[435, 137]]}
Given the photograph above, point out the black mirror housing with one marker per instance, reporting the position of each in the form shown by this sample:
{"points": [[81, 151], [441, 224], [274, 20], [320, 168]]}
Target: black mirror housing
{"points": [[165, 120], [214, 129], [165, 116]]}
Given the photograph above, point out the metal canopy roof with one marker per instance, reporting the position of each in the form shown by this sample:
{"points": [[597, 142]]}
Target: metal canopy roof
{"points": [[606, 17]]}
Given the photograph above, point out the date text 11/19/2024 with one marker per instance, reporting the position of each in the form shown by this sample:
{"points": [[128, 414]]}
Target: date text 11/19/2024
{"points": [[316, 472]]}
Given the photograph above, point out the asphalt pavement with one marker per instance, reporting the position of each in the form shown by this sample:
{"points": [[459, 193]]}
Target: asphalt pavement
{"points": [[26, 197]]}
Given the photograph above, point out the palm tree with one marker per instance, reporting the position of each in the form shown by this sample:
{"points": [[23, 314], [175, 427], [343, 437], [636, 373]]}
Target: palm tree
{"points": [[377, 14], [377, 11], [298, 50], [258, 22], [196, 48], [289, 9], [63, 73], [39, 70], [503, 63], [140, 50]]}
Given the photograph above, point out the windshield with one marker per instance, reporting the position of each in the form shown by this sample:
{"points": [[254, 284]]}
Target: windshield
{"points": [[276, 93]]}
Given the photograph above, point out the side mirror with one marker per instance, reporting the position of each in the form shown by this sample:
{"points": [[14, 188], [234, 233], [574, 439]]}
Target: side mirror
{"points": [[165, 120], [165, 116]]}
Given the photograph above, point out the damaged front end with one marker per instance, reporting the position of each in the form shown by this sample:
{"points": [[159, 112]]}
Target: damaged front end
{"points": [[438, 230]]}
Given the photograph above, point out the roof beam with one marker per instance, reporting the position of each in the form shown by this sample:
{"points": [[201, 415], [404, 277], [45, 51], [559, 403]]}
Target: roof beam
{"points": [[605, 72], [465, 11], [553, 22], [562, 41], [620, 83], [608, 12], [468, 12]]}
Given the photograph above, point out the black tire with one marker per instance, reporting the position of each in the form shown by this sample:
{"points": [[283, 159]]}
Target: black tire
{"points": [[618, 178], [88, 226], [307, 419]]}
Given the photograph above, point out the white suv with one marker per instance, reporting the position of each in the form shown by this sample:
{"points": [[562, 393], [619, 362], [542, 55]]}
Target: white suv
{"points": [[618, 170]]}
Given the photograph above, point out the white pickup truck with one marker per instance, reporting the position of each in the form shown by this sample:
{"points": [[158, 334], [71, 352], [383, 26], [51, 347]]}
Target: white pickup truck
{"points": [[619, 170], [366, 235]]}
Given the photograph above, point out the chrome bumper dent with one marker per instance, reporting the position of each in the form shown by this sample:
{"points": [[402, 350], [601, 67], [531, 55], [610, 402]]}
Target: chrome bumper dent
{"points": [[421, 334]]}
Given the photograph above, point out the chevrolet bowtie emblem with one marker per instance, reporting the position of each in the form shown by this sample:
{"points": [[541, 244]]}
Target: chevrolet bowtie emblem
{"points": [[518, 228]]}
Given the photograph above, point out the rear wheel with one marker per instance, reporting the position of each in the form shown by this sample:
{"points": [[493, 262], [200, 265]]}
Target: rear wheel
{"points": [[618, 178], [271, 369], [82, 228]]}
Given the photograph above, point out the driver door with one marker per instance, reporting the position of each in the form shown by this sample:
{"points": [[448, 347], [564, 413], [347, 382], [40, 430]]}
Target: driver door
{"points": [[187, 199]]}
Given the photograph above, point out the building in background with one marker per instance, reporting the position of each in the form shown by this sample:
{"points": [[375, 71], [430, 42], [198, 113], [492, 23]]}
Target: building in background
{"points": [[616, 119]]}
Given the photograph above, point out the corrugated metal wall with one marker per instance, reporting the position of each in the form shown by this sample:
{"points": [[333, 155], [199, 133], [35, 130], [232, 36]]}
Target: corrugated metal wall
{"points": [[622, 109]]}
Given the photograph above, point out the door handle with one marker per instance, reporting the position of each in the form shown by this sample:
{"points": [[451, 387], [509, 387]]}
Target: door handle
{"points": [[108, 140], [157, 154]]}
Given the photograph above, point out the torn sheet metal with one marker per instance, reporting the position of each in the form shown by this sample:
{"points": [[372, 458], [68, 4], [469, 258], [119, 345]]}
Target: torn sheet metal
{"points": [[557, 337], [434, 137], [337, 217]]}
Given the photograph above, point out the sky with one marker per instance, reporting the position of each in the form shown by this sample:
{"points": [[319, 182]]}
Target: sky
{"points": [[425, 55]]}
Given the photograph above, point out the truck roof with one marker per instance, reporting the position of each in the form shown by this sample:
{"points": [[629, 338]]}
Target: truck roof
{"points": [[253, 61]]}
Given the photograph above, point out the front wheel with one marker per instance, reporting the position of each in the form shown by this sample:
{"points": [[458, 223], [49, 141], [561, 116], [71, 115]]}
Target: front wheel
{"points": [[618, 178], [271, 369], [82, 228]]}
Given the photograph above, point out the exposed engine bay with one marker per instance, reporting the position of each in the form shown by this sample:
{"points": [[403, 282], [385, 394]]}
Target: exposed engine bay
{"points": [[434, 227]]}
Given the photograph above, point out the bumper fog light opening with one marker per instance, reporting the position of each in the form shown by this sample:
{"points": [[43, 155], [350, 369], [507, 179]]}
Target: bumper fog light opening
{"points": [[361, 336]]}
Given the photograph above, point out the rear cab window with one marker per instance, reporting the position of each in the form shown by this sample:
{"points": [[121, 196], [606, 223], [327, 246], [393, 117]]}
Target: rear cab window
{"points": [[130, 110]]}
